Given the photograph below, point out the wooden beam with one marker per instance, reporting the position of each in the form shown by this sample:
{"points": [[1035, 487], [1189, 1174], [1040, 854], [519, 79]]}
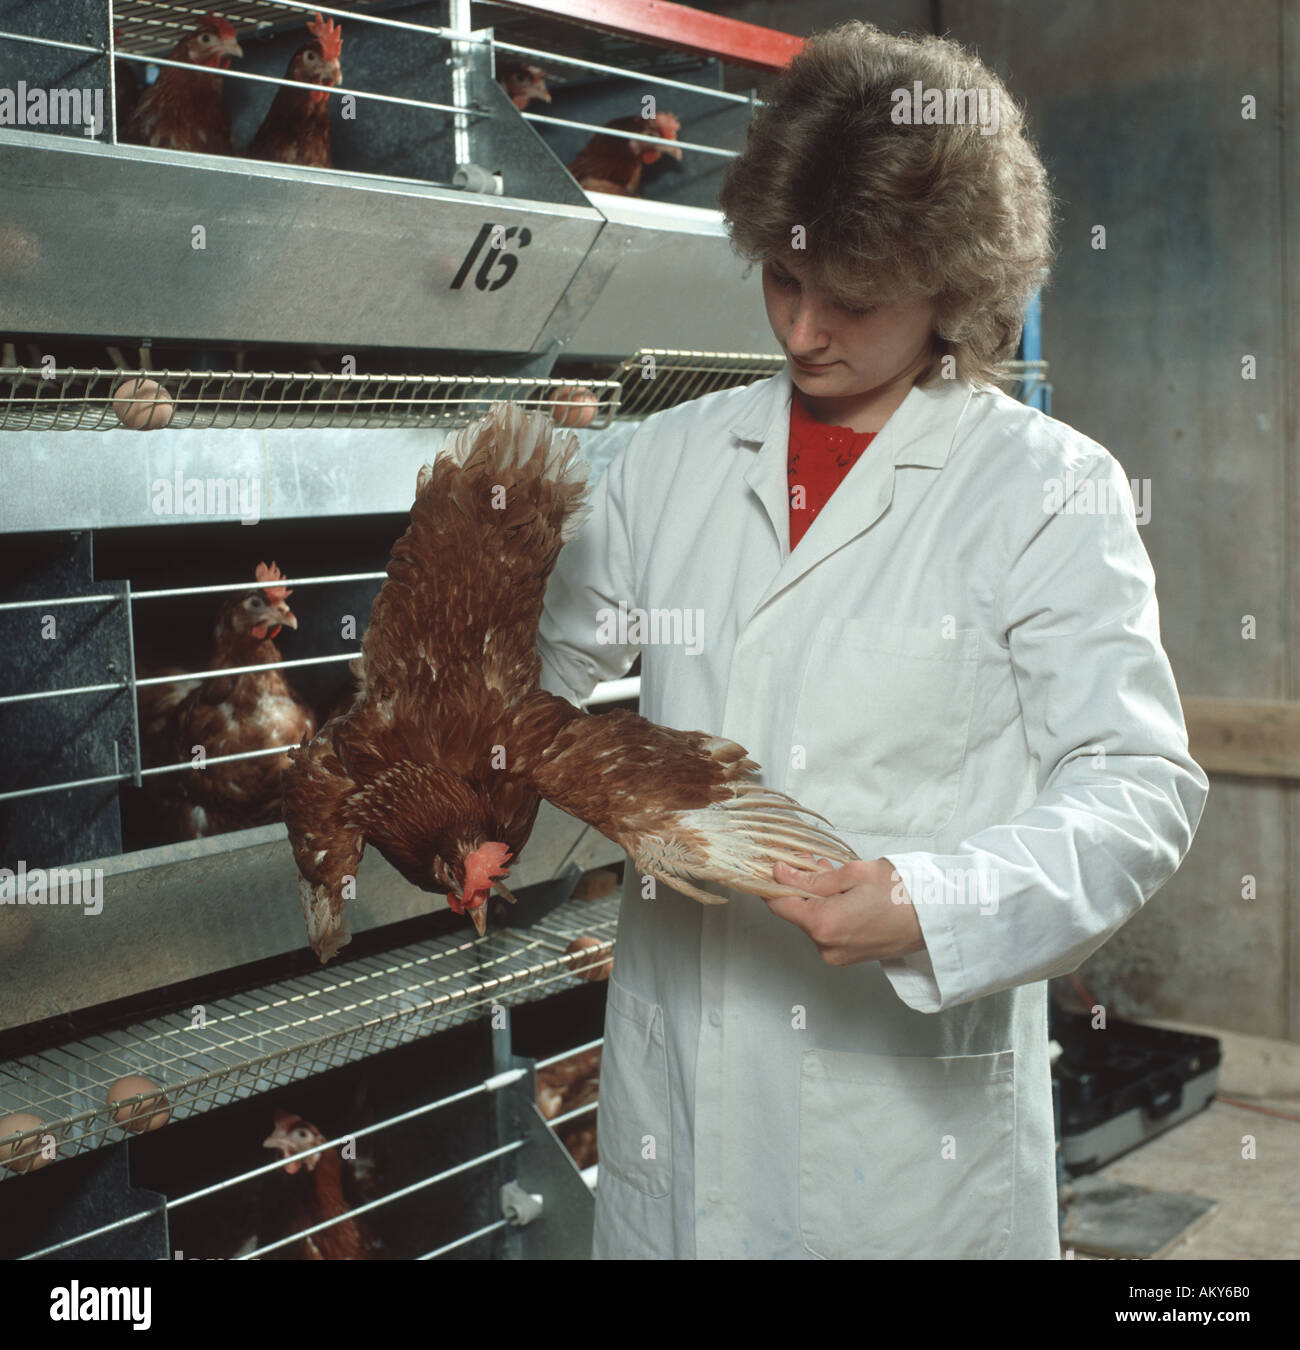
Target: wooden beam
{"points": [[1254, 738], [679, 26]]}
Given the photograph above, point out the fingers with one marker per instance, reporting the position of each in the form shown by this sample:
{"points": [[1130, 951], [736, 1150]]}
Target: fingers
{"points": [[830, 882]]}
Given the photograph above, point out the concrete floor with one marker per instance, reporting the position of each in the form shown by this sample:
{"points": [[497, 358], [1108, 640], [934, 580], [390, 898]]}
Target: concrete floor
{"points": [[1258, 1216]]}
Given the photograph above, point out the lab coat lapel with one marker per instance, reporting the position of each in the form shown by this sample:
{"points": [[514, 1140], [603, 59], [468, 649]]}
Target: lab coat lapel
{"points": [[920, 432]]}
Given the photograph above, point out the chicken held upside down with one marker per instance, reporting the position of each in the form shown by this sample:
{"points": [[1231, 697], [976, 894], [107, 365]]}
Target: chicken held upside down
{"points": [[451, 744]]}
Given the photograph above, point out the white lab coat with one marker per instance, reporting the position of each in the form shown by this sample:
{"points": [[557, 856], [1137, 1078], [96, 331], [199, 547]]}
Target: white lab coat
{"points": [[957, 678]]}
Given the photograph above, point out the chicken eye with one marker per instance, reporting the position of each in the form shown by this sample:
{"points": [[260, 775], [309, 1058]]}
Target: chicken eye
{"points": [[206, 37], [311, 58], [302, 1134]]}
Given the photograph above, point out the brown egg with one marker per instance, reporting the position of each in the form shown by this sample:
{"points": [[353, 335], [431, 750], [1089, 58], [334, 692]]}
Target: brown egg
{"points": [[22, 1120], [588, 967], [142, 405], [581, 409], [150, 1114]]}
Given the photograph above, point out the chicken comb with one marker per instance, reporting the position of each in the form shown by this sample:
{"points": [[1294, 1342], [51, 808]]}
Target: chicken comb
{"points": [[273, 593], [221, 27], [668, 125], [329, 35]]}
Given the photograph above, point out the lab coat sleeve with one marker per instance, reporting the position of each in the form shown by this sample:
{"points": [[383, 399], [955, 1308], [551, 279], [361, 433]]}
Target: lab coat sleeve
{"points": [[1119, 796], [595, 574]]}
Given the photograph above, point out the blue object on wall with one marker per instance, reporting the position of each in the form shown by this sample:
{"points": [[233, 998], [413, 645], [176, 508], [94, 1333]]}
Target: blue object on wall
{"points": [[1034, 389]]}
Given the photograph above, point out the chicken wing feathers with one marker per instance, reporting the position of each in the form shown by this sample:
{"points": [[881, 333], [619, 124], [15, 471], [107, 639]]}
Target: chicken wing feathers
{"points": [[683, 804], [327, 843]]}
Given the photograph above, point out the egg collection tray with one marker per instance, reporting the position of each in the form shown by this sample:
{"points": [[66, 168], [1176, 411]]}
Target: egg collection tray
{"points": [[248, 1043]]}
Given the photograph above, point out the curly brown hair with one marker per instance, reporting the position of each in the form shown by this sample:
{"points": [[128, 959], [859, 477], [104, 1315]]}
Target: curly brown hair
{"points": [[896, 212]]}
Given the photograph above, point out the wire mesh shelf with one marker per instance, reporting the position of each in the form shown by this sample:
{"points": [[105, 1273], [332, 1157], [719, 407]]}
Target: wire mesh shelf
{"points": [[653, 379], [156, 25], [251, 1042], [71, 399]]}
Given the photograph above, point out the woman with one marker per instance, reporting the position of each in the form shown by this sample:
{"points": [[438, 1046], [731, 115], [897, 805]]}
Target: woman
{"points": [[929, 615]]}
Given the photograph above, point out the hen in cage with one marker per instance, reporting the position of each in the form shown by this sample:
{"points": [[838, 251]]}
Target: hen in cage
{"points": [[612, 164], [310, 1192], [225, 714], [297, 127], [523, 83], [183, 110]]}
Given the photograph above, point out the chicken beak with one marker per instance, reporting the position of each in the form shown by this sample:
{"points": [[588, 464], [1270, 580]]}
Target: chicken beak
{"points": [[280, 1144], [479, 915], [288, 618], [229, 47]]}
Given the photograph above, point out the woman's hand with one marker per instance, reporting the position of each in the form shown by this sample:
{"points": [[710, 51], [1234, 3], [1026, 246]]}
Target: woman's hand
{"points": [[866, 915]]}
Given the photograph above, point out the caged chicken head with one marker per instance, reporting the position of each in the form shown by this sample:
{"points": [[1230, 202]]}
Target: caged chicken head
{"points": [[319, 61], [212, 44], [665, 125], [261, 614], [291, 1136], [524, 83]]}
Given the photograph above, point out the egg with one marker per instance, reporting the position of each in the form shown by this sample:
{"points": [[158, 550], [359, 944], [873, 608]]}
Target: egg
{"points": [[22, 1120], [150, 1114], [581, 409], [142, 405], [588, 967]]}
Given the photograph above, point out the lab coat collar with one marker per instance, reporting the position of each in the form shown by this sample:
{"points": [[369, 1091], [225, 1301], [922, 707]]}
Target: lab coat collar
{"points": [[920, 432]]}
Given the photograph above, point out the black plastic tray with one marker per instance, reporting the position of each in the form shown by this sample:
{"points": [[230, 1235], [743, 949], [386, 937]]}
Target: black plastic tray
{"points": [[1105, 1073]]}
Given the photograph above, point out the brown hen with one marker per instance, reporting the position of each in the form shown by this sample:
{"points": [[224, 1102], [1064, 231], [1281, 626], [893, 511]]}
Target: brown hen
{"points": [[183, 110], [226, 714], [296, 130], [613, 164], [444, 757]]}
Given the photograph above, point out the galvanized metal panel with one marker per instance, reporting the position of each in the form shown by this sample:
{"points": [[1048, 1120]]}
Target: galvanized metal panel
{"points": [[99, 480], [186, 910], [102, 241], [669, 278]]}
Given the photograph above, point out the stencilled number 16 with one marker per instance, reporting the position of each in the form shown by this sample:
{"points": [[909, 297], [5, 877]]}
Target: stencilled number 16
{"points": [[496, 237]]}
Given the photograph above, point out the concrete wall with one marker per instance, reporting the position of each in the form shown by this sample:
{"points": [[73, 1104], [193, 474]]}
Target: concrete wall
{"points": [[1136, 107]]}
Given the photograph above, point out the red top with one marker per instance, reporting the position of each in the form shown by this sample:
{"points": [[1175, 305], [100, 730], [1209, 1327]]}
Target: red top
{"points": [[819, 457]]}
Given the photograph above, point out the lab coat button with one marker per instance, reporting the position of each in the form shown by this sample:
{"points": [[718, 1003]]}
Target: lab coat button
{"points": [[715, 1018], [714, 1196]]}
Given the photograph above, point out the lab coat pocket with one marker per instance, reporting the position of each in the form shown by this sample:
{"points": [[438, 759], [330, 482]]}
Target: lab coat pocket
{"points": [[906, 1157], [633, 1122], [883, 721]]}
